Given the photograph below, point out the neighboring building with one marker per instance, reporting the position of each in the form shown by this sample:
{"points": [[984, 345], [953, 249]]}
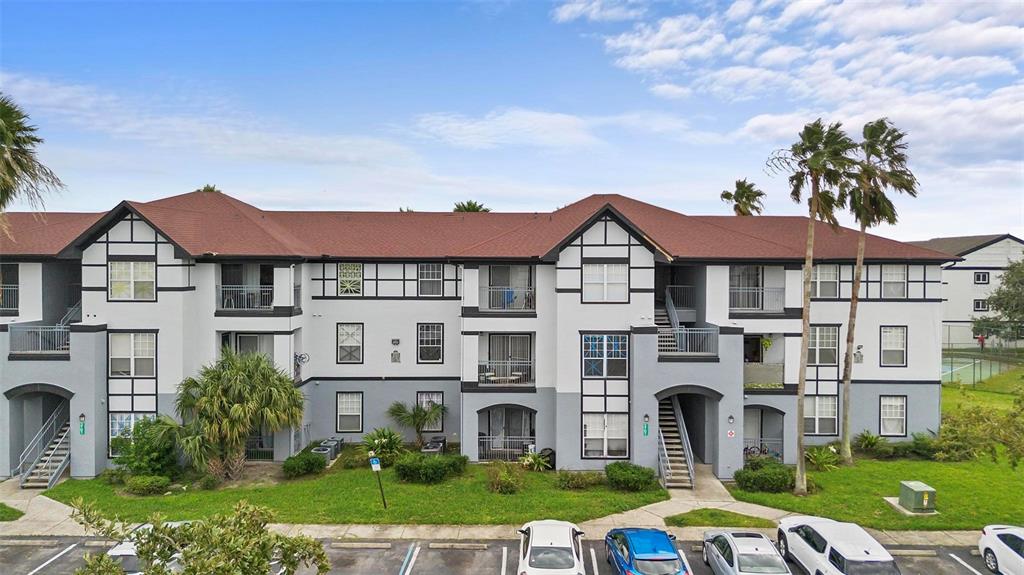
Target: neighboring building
{"points": [[607, 330], [970, 277]]}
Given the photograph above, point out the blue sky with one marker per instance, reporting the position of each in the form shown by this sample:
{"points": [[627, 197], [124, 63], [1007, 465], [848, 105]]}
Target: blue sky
{"points": [[521, 105]]}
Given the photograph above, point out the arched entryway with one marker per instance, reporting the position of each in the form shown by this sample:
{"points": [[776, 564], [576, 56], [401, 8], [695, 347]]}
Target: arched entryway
{"points": [[763, 431], [694, 410], [505, 431], [36, 413]]}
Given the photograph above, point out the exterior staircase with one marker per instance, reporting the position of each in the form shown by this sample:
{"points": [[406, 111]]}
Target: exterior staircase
{"points": [[678, 474], [51, 462], [661, 317]]}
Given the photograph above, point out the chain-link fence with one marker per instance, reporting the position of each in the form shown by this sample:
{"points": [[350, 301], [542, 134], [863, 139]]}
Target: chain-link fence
{"points": [[971, 355]]}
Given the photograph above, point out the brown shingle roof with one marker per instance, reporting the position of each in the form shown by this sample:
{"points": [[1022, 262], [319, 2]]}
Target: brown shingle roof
{"points": [[33, 234], [959, 245], [215, 223]]}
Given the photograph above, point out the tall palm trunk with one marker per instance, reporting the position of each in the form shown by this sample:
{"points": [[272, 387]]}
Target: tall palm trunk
{"points": [[800, 483], [858, 270]]}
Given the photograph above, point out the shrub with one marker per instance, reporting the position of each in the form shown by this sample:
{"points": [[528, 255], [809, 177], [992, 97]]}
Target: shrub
{"points": [[147, 484], [884, 450], [822, 458], [578, 479], [208, 482], [385, 443], [422, 468], [114, 475], [503, 477], [769, 478], [303, 463], [535, 462], [867, 442], [626, 476], [759, 461], [144, 450]]}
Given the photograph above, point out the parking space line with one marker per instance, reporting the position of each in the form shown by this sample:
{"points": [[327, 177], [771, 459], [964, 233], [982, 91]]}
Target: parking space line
{"points": [[964, 563], [54, 558], [415, 554], [593, 560], [402, 570], [504, 560]]}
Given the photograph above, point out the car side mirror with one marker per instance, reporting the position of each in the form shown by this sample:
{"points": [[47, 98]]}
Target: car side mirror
{"points": [[521, 531], [576, 533], [706, 540], [671, 537], [792, 529]]}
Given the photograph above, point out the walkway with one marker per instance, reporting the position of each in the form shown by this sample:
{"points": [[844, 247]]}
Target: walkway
{"points": [[43, 516]]}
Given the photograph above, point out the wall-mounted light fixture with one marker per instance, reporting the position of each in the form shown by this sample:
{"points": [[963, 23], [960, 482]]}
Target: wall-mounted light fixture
{"points": [[732, 420], [858, 356], [647, 418]]}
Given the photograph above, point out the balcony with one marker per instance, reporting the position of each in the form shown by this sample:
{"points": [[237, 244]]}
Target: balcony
{"points": [[507, 299], [40, 341], [757, 299], [9, 299], [503, 448], [688, 341], [506, 372], [245, 297], [757, 375]]}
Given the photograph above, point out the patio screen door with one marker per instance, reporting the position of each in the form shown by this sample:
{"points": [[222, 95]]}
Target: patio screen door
{"points": [[509, 354]]}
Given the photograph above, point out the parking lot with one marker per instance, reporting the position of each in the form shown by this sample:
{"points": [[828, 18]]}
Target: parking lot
{"points": [[61, 556]]}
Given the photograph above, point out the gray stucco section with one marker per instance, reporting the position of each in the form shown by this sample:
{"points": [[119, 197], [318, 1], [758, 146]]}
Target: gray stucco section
{"points": [[378, 395], [542, 401], [923, 409], [84, 376]]}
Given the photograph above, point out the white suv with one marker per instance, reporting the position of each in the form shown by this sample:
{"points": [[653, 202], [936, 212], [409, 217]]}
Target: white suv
{"points": [[827, 547], [550, 548], [1002, 546]]}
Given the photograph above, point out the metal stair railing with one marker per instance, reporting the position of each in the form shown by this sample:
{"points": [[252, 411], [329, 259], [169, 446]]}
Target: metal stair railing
{"points": [[664, 465], [34, 450], [74, 312], [670, 309], [685, 439], [47, 462]]}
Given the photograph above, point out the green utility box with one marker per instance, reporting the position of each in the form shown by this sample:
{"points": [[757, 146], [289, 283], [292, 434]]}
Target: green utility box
{"points": [[917, 497]]}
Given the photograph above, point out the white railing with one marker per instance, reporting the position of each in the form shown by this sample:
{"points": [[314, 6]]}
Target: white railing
{"points": [[664, 465], [670, 310], [688, 340], [684, 437], [43, 339], [54, 468], [507, 298], [683, 296], [34, 449], [512, 372], [74, 313], [762, 447], [764, 299], [9, 297], [503, 447], [245, 297]]}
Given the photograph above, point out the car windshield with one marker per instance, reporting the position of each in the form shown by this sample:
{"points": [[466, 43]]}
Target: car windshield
{"points": [[551, 558], [659, 566], [762, 563], [872, 568]]}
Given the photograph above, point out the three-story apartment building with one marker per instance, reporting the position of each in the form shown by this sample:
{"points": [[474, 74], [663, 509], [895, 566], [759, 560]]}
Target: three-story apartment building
{"points": [[609, 329]]}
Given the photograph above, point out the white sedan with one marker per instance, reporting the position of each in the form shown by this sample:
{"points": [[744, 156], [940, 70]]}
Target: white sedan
{"points": [[124, 552], [550, 548], [1002, 547]]}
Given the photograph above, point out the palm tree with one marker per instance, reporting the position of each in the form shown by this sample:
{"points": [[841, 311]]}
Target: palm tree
{"points": [[418, 417], [882, 167], [229, 399], [822, 160], [470, 206], [746, 198], [21, 173]]}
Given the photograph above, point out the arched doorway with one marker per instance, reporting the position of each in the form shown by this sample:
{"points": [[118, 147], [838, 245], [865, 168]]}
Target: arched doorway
{"points": [[505, 431], [694, 411], [37, 412], [763, 431]]}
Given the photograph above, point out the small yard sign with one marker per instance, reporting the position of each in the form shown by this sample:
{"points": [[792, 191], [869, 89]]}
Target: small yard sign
{"points": [[375, 466]]}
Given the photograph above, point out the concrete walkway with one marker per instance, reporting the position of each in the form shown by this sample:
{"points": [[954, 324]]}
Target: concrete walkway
{"points": [[46, 517]]}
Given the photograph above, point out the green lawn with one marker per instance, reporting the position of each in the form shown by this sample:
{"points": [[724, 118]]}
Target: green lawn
{"points": [[9, 513], [1006, 382], [968, 495], [352, 496], [708, 517], [954, 397]]}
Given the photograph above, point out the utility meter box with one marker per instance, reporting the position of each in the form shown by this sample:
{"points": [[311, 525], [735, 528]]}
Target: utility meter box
{"points": [[917, 497]]}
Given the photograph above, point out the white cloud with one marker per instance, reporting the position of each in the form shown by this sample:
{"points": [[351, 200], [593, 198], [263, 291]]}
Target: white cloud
{"points": [[598, 10], [510, 127], [671, 43], [779, 56], [739, 9], [671, 91]]}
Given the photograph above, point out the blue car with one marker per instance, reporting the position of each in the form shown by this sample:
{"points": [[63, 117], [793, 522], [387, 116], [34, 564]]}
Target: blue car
{"points": [[635, 551]]}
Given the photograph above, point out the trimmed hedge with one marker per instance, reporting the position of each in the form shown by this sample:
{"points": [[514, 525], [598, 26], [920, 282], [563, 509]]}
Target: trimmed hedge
{"points": [[574, 480], [147, 484], [767, 477], [421, 468], [303, 463], [626, 476]]}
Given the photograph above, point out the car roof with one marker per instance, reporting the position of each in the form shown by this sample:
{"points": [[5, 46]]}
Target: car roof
{"points": [[997, 529], [649, 543], [849, 539], [751, 542], [550, 533]]}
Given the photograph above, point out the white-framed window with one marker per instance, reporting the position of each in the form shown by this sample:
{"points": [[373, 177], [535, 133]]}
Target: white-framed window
{"points": [[894, 281], [350, 279], [981, 305], [894, 345], [431, 279], [825, 280], [605, 355], [350, 412], [350, 343], [121, 423], [429, 343], [605, 435], [428, 398], [605, 282], [823, 346], [131, 281], [132, 355], [981, 277], [892, 415], [821, 414]]}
